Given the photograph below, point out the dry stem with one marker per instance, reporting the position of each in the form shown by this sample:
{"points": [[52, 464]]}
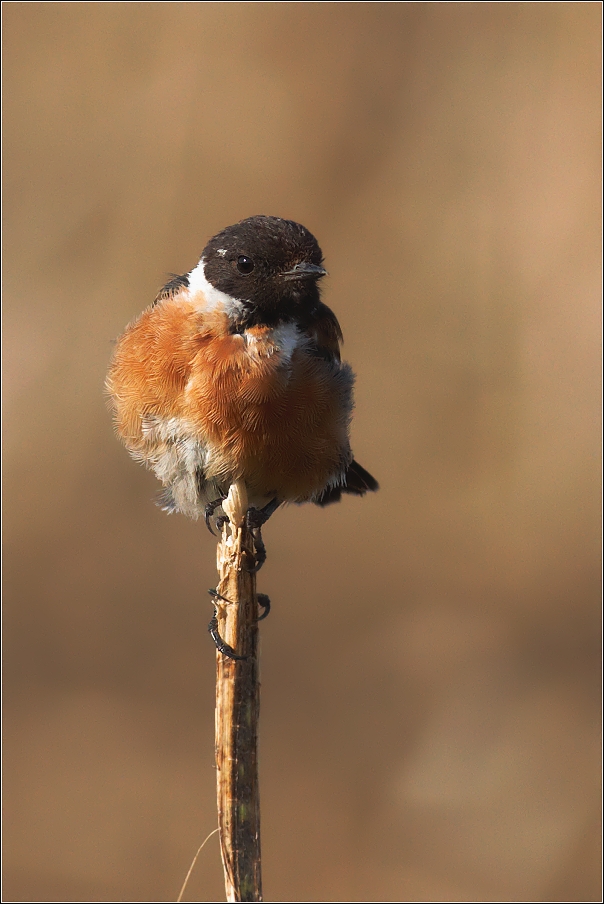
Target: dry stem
{"points": [[237, 705]]}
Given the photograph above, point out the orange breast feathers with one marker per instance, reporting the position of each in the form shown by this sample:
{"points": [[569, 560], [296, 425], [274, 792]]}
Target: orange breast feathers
{"points": [[203, 406]]}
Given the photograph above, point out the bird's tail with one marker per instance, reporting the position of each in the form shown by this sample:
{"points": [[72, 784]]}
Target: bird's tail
{"points": [[357, 482]]}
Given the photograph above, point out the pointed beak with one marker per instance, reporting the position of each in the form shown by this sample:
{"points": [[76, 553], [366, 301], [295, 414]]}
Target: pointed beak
{"points": [[305, 270]]}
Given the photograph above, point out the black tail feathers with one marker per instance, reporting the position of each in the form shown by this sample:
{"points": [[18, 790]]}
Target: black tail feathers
{"points": [[357, 482]]}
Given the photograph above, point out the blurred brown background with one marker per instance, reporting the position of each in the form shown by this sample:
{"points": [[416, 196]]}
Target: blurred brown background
{"points": [[430, 700]]}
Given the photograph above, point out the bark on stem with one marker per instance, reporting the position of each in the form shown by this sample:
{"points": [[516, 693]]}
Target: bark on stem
{"points": [[237, 706]]}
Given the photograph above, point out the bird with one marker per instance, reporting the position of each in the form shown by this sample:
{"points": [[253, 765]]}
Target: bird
{"points": [[234, 373]]}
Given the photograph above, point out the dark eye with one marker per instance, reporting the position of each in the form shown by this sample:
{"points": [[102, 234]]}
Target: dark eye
{"points": [[245, 264]]}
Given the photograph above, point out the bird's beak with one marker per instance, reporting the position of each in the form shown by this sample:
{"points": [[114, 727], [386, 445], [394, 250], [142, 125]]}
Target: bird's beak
{"points": [[305, 270]]}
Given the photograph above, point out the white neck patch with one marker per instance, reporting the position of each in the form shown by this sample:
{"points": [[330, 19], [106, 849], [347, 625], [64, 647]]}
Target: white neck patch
{"points": [[215, 300], [282, 340]]}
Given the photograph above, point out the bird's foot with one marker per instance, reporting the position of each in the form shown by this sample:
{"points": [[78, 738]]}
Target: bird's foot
{"points": [[209, 511], [255, 518], [221, 645], [265, 602]]}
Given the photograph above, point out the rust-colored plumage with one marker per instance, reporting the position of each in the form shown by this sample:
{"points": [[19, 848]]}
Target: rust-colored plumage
{"points": [[227, 377]]}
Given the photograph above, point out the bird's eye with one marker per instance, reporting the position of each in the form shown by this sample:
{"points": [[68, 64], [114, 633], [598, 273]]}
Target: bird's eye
{"points": [[245, 264]]}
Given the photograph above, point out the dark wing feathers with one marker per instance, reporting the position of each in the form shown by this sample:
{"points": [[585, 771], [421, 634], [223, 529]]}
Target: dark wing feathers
{"points": [[326, 333], [174, 285]]}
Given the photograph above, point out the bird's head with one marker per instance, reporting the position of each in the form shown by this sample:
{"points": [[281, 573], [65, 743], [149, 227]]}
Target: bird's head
{"points": [[269, 265]]}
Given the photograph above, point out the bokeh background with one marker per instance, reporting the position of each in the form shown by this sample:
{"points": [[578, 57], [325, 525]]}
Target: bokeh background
{"points": [[430, 670]]}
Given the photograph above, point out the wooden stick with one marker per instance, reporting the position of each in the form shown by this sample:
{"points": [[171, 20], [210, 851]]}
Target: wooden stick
{"points": [[237, 706]]}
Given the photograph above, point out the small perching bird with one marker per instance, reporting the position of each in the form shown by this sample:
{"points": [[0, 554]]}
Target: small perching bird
{"points": [[234, 373]]}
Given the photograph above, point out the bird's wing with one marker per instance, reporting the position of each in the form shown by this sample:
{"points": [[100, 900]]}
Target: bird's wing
{"points": [[172, 287], [325, 332]]}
